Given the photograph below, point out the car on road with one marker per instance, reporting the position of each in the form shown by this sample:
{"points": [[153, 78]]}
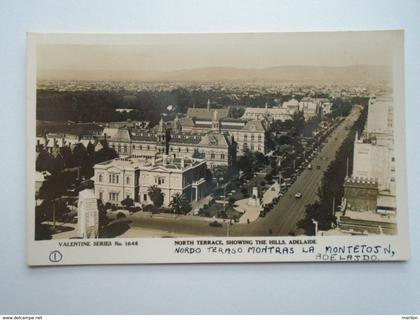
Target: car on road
{"points": [[215, 224], [309, 166], [298, 195]]}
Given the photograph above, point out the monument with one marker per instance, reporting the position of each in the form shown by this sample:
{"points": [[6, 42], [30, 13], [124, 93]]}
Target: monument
{"points": [[87, 214], [254, 200]]}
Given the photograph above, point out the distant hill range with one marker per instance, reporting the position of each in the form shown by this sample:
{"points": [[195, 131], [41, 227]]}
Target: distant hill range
{"points": [[301, 74]]}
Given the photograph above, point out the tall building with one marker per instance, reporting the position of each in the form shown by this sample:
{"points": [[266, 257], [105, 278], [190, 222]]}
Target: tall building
{"points": [[370, 193]]}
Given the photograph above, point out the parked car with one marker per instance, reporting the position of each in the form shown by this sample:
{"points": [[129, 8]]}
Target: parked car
{"points": [[298, 195], [215, 224]]}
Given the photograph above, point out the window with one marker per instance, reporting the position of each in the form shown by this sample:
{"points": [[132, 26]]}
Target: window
{"points": [[113, 196], [127, 180], [145, 197], [101, 195], [125, 149], [159, 180], [134, 146], [141, 147], [212, 156], [222, 156], [100, 178], [245, 137], [119, 148], [113, 178], [252, 137], [148, 147], [259, 138]]}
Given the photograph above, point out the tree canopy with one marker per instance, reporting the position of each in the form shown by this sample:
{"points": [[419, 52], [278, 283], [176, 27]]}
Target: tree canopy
{"points": [[156, 195]]}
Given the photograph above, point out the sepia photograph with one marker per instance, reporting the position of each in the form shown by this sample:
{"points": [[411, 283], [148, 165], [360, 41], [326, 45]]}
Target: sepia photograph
{"points": [[246, 143]]}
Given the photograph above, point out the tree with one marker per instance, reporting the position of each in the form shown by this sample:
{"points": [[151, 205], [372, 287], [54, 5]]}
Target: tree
{"points": [[103, 219], [246, 162], [127, 202], [42, 231], [51, 190], [220, 173], [285, 139], [67, 156], [259, 160], [57, 164], [43, 161], [156, 195], [79, 155], [180, 204], [298, 123]]}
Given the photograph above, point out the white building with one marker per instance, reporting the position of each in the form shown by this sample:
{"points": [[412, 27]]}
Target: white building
{"points": [[373, 161], [309, 107], [117, 179], [173, 176], [292, 106], [380, 120]]}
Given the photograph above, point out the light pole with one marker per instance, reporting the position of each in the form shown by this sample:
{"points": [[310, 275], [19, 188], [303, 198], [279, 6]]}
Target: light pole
{"points": [[224, 198], [227, 228]]}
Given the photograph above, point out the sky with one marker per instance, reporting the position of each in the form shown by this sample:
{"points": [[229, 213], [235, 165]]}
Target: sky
{"points": [[86, 54]]}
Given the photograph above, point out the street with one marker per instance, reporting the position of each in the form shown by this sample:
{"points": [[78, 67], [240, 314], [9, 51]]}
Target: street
{"points": [[284, 216]]}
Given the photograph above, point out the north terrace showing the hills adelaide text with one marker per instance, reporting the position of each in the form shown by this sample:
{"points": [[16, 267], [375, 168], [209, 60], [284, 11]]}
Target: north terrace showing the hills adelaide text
{"points": [[217, 135]]}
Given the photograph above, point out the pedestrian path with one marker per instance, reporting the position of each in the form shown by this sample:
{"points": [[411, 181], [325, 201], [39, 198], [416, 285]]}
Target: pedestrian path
{"points": [[271, 193], [250, 213]]}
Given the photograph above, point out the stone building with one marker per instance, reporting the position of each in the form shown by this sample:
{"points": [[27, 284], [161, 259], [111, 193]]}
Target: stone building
{"points": [[218, 148], [117, 179], [247, 134]]}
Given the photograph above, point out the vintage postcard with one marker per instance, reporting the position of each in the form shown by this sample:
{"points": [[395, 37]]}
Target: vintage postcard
{"points": [[229, 147]]}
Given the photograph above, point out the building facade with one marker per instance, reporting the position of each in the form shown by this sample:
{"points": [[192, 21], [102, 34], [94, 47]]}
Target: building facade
{"points": [[370, 193], [247, 134], [215, 146], [118, 179]]}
